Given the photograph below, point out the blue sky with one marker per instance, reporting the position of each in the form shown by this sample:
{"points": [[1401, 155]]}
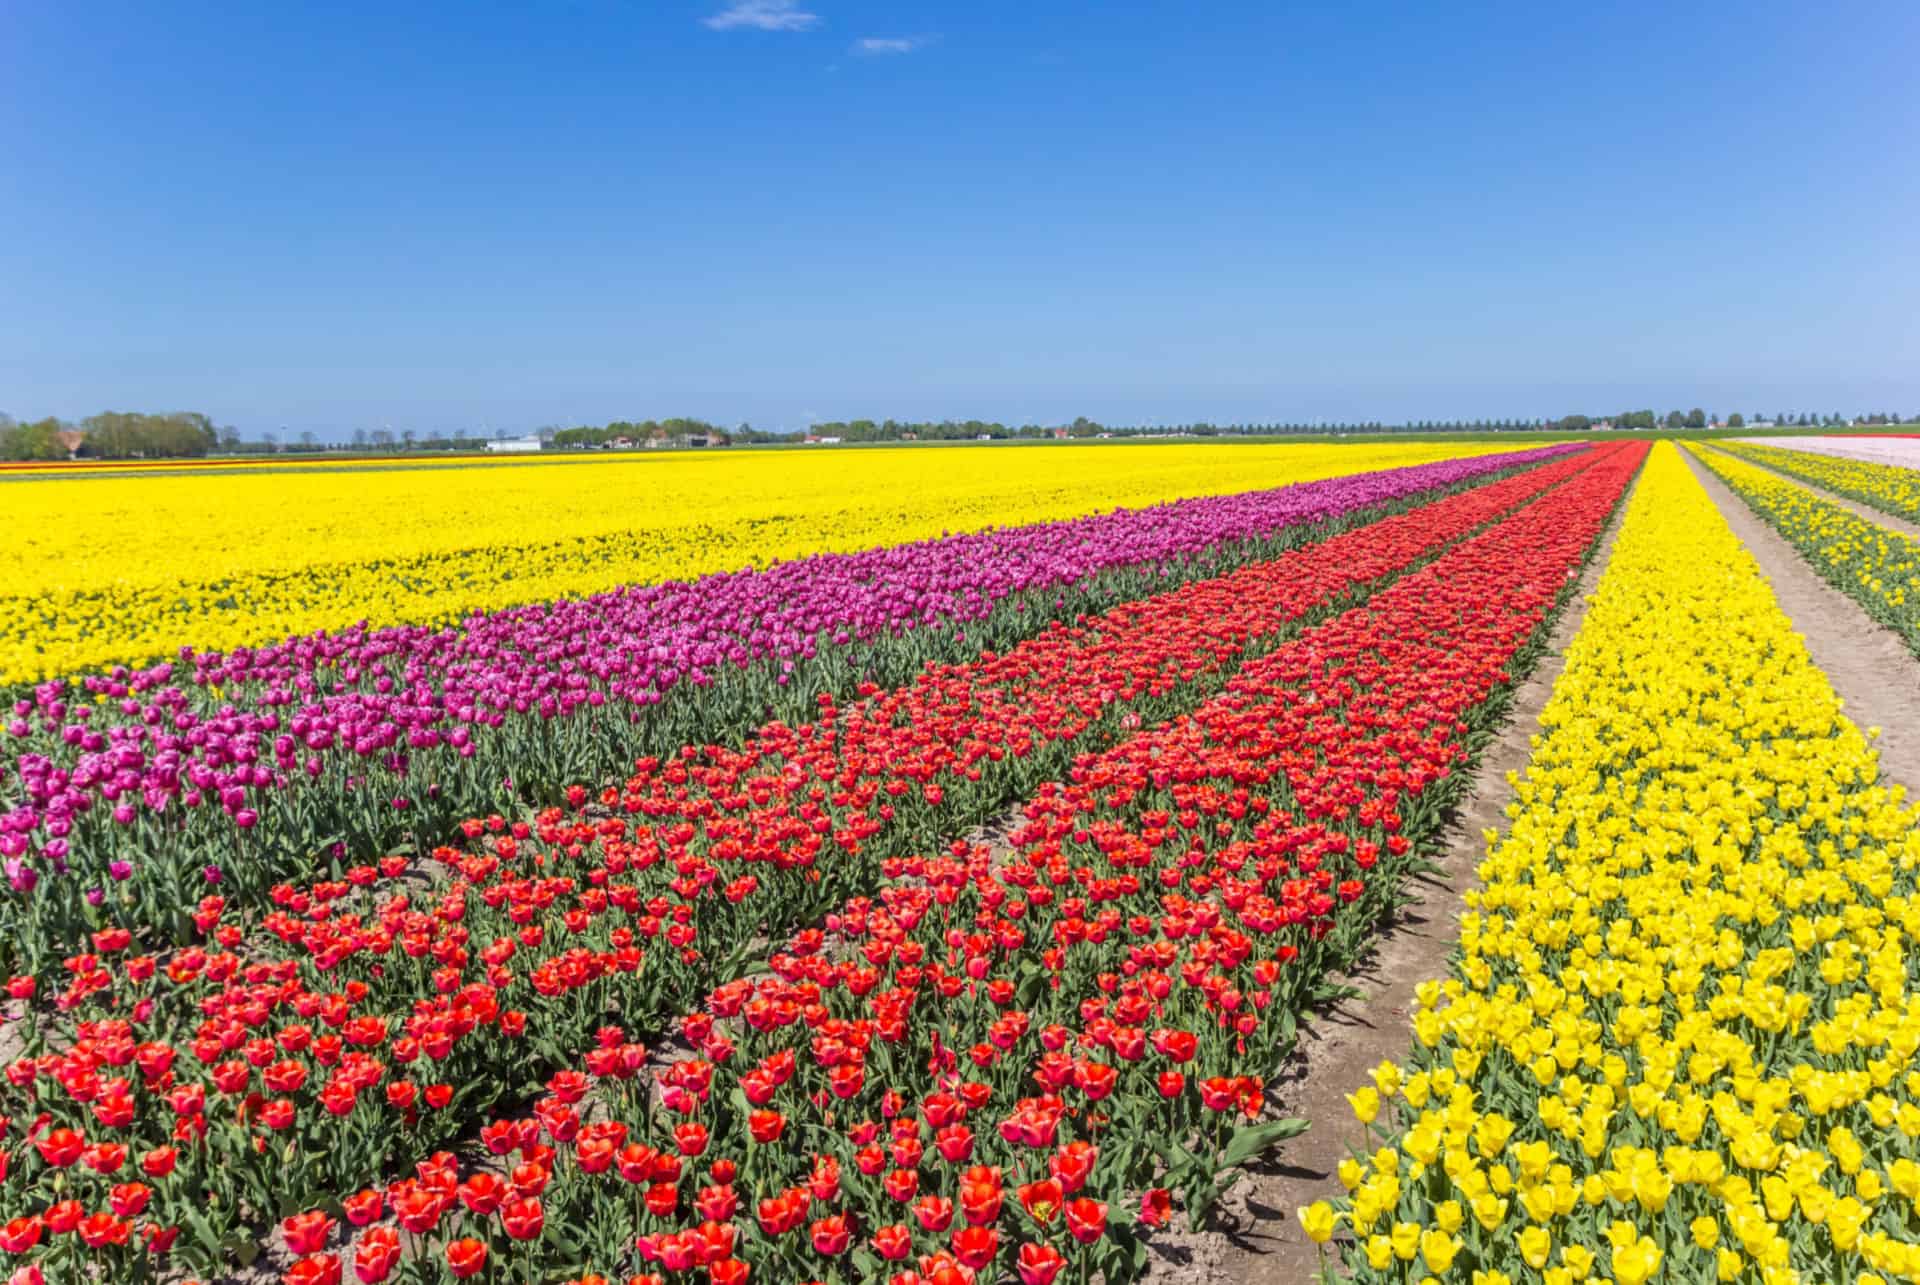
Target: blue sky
{"points": [[435, 216]]}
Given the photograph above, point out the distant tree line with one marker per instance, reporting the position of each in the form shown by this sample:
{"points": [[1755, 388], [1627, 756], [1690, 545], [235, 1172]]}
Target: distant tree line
{"points": [[1646, 420], [36, 440], [127, 435], [119, 435], [115, 435]]}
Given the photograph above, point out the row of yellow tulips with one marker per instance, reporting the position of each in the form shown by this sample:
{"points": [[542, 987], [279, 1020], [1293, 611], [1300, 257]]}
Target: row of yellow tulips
{"points": [[1886, 486], [1678, 1041], [1876, 566]]}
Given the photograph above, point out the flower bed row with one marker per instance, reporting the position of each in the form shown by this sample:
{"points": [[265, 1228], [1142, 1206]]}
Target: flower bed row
{"points": [[1876, 567], [1678, 1040], [989, 1065], [244, 768], [1885, 486], [345, 1041]]}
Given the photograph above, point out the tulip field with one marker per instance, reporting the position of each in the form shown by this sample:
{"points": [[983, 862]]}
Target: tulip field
{"points": [[927, 877], [215, 560]]}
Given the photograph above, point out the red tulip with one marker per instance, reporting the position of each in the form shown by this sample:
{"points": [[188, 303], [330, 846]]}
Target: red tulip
{"points": [[1072, 1164], [530, 1178], [980, 1199], [893, 1242], [730, 1272], [1095, 1079], [377, 1254], [417, 1208], [102, 1229], [954, 1143], [831, 1235], [129, 1198], [976, 1246], [717, 1203], [935, 1213], [307, 1233], [523, 1218], [824, 1182], [1039, 1264], [61, 1147], [20, 1234], [717, 1240], [1086, 1220], [318, 1269], [466, 1257], [901, 1184], [1042, 1200], [363, 1207]]}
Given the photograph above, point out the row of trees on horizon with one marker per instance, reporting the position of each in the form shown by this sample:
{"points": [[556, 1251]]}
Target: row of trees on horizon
{"points": [[1646, 420], [113, 435]]}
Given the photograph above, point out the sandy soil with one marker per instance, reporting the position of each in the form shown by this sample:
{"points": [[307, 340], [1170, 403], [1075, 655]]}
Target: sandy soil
{"points": [[1872, 670], [1260, 1240]]}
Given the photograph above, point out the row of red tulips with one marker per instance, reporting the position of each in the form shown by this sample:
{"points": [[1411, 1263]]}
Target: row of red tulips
{"points": [[984, 1065], [281, 1073], [1015, 1062]]}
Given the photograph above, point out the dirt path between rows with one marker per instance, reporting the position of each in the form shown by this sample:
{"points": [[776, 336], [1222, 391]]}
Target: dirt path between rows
{"points": [[1868, 664], [1855, 507], [1259, 1240]]}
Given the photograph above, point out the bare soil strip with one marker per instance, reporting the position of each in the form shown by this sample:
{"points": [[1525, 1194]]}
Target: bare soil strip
{"points": [[1259, 1240], [1855, 507], [1868, 665]]}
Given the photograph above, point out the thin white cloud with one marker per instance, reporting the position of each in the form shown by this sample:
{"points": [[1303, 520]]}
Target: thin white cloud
{"points": [[763, 15], [877, 45]]}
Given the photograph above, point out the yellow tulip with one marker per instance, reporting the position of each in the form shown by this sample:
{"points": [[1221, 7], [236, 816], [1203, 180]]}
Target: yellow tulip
{"points": [[1317, 1220], [1437, 1251]]}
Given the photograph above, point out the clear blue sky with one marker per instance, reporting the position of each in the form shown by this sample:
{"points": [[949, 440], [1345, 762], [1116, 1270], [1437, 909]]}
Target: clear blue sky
{"points": [[346, 215]]}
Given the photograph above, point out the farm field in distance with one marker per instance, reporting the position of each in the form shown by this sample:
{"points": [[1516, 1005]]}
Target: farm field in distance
{"points": [[958, 865], [223, 557]]}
